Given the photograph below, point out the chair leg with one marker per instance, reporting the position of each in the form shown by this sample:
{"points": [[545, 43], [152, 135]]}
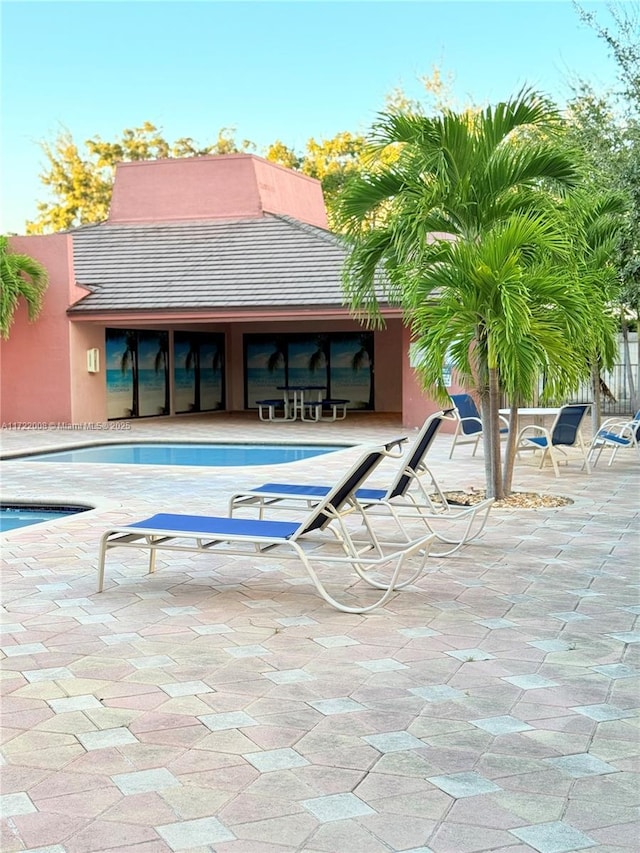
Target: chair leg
{"points": [[597, 450], [584, 453], [552, 456], [455, 440]]}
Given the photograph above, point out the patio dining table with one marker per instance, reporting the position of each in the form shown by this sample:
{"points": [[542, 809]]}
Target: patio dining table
{"points": [[538, 413]]}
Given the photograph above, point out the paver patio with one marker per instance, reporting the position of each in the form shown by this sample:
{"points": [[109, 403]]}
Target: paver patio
{"points": [[221, 705]]}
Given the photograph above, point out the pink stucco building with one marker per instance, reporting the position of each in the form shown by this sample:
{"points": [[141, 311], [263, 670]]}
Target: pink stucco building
{"points": [[214, 281]]}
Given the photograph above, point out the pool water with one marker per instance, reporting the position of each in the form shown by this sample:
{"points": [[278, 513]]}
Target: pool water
{"points": [[13, 517], [222, 455]]}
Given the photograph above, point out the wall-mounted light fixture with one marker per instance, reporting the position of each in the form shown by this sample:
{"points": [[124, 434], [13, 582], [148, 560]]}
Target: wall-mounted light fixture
{"points": [[93, 360]]}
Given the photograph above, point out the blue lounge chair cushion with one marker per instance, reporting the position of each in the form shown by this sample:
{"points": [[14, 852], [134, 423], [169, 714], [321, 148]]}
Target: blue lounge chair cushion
{"points": [[297, 490], [218, 526], [308, 491]]}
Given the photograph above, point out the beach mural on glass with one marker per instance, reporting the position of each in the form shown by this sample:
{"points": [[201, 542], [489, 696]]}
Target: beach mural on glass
{"points": [[265, 367], [121, 348], [352, 369], [137, 373], [198, 372], [341, 363], [153, 373]]}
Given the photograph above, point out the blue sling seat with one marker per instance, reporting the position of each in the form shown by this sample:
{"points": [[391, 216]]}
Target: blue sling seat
{"points": [[287, 539], [616, 434], [405, 498], [564, 433]]}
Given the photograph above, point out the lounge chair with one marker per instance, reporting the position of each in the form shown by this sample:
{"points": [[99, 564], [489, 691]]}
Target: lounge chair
{"points": [[451, 523], [469, 424], [617, 434], [287, 539], [564, 433]]}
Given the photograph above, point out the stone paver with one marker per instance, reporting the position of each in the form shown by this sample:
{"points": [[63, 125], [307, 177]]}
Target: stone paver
{"points": [[221, 704]]}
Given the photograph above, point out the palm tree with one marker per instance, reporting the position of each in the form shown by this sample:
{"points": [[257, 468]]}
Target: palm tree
{"points": [[597, 219], [465, 218], [129, 359], [22, 277], [320, 357], [279, 356], [161, 362], [192, 362], [362, 356], [217, 363]]}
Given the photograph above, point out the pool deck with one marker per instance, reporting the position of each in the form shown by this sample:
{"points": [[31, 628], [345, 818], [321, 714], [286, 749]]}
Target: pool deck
{"points": [[492, 706]]}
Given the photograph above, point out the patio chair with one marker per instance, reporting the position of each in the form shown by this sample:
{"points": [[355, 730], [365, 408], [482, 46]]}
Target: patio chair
{"points": [[300, 540], [616, 434], [469, 423], [564, 433], [450, 523]]}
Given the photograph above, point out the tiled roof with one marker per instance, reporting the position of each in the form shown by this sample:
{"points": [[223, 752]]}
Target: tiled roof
{"points": [[272, 262]]}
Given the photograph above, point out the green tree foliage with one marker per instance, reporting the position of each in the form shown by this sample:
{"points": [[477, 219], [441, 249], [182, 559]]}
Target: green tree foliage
{"points": [[606, 129], [334, 162], [81, 182], [473, 246], [21, 277]]}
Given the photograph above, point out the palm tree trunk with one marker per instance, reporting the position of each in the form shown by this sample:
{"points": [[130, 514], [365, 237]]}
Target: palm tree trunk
{"points": [[167, 385], [135, 402], [486, 440], [633, 398], [510, 452], [494, 431], [197, 378], [596, 409]]}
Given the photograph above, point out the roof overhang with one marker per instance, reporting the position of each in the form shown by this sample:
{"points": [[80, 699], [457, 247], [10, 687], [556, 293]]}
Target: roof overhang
{"points": [[207, 316]]}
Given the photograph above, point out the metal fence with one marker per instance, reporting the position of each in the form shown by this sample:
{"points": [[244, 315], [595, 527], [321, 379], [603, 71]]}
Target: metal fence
{"points": [[616, 392], [615, 396]]}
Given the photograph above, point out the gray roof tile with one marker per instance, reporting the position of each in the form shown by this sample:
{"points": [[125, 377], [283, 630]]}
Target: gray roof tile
{"points": [[270, 262]]}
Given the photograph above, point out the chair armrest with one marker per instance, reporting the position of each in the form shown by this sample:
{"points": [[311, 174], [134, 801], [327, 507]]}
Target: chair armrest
{"points": [[611, 423], [505, 421], [617, 427], [540, 430]]}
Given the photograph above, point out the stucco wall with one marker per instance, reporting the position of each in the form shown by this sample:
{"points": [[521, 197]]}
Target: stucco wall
{"points": [[88, 390], [296, 195], [35, 379], [416, 405], [236, 186]]}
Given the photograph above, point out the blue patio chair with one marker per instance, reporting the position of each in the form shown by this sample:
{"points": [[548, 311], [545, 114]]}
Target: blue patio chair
{"points": [[564, 433], [300, 540], [469, 423], [617, 434], [452, 524]]}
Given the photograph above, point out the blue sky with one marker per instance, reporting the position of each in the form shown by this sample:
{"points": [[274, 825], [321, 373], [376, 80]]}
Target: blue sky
{"points": [[287, 70]]}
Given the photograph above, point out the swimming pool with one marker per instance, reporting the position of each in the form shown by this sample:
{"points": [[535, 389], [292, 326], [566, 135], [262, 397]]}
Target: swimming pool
{"points": [[155, 453], [15, 516]]}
